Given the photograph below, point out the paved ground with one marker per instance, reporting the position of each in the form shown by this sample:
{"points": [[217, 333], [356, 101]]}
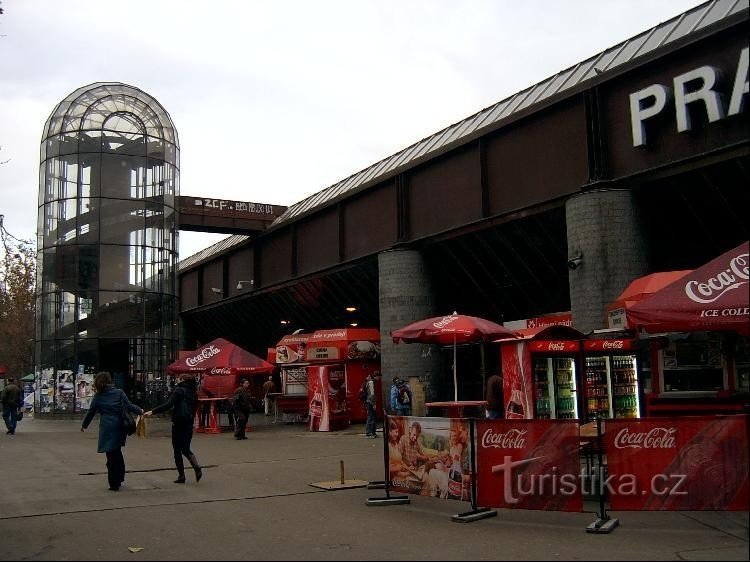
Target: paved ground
{"points": [[256, 502]]}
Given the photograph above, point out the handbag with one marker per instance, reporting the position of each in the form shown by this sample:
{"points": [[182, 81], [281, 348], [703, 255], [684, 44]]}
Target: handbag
{"points": [[128, 421], [19, 415]]}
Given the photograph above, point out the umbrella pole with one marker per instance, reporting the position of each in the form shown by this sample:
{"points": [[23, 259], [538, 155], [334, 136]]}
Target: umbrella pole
{"points": [[455, 379]]}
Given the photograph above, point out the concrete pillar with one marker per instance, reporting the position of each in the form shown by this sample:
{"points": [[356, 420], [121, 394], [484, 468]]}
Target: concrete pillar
{"points": [[405, 296], [604, 229]]}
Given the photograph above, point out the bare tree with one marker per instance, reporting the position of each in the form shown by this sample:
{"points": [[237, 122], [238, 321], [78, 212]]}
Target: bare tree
{"points": [[17, 302]]}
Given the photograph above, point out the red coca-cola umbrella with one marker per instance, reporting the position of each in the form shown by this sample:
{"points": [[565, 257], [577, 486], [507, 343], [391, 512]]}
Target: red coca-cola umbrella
{"points": [[453, 329], [712, 297], [638, 290], [221, 354]]}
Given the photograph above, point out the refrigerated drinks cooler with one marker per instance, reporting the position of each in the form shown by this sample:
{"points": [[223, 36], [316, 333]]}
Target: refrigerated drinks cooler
{"points": [[555, 379], [611, 379], [539, 373]]}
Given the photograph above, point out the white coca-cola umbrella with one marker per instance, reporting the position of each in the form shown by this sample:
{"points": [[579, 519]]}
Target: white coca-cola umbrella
{"points": [[453, 329]]}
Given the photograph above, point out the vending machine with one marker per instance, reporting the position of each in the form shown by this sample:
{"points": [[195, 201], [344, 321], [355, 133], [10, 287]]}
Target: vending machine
{"points": [[611, 378], [540, 378]]}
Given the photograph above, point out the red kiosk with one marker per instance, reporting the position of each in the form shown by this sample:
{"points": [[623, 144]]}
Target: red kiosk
{"points": [[220, 365], [290, 356], [338, 362]]}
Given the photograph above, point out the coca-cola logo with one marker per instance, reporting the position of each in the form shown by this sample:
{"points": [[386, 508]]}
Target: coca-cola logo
{"points": [[511, 439], [220, 371], [614, 344], [445, 321], [715, 287], [655, 438], [202, 356], [556, 346]]}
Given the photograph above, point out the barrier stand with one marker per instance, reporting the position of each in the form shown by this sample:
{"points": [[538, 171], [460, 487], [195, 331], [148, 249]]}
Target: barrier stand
{"points": [[197, 420], [604, 524], [378, 484], [476, 512], [342, 483], [213, 419], [388, 499]]}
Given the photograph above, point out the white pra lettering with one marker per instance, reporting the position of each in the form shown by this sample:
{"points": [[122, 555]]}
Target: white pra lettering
{"points": [[697, 85]]}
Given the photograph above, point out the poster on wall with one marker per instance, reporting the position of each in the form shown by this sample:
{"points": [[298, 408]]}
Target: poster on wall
{"points": [[45, 390], [429, 457], [84, 391]]}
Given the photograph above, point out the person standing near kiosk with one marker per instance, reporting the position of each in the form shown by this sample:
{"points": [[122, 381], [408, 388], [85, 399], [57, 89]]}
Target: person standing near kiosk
{"points": [[269, 388], [241, 401]]}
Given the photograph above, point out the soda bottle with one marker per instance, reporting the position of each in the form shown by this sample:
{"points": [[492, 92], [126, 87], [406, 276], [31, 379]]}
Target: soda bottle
{"points": [[455, 480]]}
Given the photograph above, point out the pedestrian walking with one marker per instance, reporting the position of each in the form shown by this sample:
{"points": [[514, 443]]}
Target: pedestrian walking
{"points": [[182, 403], [109, 403], [11, 401], [241, 402], [370, 402]]}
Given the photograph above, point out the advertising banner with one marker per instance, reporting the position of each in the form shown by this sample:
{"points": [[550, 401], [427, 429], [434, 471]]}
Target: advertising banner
{"points": [[327, 395], [689, 463], [517, 385], [528, 464], [430, 457]]}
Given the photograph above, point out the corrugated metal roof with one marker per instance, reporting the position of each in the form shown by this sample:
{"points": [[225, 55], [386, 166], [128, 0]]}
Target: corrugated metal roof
{"points": [[667, 32], [217, 248]]}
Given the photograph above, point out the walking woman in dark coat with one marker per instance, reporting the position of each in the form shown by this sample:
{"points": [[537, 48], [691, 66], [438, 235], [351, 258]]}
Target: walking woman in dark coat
{"points": [[182, 403], [108, 401]]}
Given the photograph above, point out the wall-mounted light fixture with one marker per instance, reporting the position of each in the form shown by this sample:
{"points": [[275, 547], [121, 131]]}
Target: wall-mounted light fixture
{"points": [[284, 322], [241, 284], [215, 290], [576, 261], [351, 309]]}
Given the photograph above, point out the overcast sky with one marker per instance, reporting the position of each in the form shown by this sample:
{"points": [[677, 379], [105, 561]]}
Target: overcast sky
{"points": [[275, 100]]}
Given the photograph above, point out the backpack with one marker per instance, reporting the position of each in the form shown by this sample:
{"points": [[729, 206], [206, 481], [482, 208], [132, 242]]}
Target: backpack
{"points": [[363, 392], [403, 395]]}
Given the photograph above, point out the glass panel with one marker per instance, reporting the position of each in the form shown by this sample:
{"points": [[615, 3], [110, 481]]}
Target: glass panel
{"points": [[91, 175], [68, 143], [121, 314], [115, 272], [120, 220], [88, 268], [120, 175]]}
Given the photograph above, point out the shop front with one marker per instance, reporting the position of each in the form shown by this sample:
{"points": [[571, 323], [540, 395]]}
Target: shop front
{"points": [[697, 328], [290, 355]]}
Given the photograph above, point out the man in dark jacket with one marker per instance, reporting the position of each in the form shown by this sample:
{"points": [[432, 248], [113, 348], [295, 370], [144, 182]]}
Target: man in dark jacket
{"points": [[241, 402], [494, 397], [182, 403], [11, 399]]}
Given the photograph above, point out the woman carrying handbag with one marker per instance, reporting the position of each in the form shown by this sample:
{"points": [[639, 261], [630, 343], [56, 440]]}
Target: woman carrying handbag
{"points": [[109, 402]]}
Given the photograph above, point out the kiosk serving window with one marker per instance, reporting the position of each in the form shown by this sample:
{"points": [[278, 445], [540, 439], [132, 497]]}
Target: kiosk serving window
{"points": [[693, 363]]}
